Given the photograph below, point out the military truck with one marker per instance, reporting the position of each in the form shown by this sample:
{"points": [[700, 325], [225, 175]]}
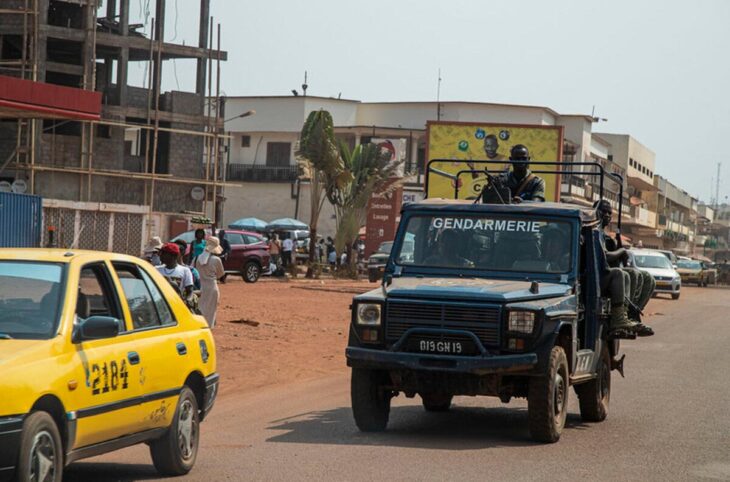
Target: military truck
{"points": [[488, 299]]}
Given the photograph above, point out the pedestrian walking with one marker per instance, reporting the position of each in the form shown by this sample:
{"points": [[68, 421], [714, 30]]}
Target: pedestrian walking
{"points": [[210, 267], [198, 245], [152, 251], [275, 249], [179, 276], [286, 250]]}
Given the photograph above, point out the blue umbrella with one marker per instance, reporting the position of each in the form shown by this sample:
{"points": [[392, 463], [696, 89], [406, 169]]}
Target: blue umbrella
{"points": [[286, 224], [249, 224]]}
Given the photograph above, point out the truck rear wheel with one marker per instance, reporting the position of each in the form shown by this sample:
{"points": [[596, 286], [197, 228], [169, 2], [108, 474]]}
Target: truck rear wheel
{"points": [[436, 402], [370, 400], [547, 399], [594, 395]]}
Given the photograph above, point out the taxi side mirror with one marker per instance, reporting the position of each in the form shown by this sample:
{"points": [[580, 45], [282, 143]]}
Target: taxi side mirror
{"points": [[96, 328]]}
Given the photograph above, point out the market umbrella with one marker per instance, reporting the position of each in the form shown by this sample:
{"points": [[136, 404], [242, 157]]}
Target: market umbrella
{"points": [[286, 224], [249, 224]]}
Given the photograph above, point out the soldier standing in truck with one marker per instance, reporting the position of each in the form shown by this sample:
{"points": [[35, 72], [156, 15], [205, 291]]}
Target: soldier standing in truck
{"points": [[523, 184]]}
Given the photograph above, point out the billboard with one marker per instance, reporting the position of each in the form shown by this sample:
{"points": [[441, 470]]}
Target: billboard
{"points": [[466, 141]]}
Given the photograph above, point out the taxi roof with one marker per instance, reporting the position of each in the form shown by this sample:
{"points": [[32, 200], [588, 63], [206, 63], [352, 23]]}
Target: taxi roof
{"points": [[54, 255], [547, 209]]}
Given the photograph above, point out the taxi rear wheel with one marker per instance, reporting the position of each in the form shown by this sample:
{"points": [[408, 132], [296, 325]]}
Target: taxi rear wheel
{"points": [[41, 451], [176, 451]]}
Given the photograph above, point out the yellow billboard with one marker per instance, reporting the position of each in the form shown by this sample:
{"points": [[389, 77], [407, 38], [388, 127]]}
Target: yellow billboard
{"points": [[467, 141]]}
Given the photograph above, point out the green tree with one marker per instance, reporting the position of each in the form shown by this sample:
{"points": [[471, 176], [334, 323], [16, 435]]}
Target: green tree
{"points": [[371, 171], [320, 161]]}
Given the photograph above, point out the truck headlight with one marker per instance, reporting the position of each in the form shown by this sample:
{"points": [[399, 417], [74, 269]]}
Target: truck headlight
{"points": [[368, 314], [521, 321]]}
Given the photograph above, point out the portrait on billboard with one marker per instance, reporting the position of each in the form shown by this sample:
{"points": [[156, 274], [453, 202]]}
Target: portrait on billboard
{"points": [[462, 141]]}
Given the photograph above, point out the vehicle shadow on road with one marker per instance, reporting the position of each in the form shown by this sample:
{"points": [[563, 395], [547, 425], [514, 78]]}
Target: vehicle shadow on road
{"points": [[101, 471], [461, 428]]}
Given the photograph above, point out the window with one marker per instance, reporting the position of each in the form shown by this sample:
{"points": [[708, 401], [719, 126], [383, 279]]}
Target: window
{"points": [[96, 297], [251, 239], [147, 306], [245, 141], [234, 238], [278, 154]]}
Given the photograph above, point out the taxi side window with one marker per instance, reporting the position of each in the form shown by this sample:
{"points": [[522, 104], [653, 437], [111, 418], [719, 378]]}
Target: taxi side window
{"points": [[147, 305], [96, 297]]}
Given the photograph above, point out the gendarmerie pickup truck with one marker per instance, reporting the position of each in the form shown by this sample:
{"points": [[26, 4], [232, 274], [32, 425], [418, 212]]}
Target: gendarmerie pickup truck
{"points": [[501, 300]]}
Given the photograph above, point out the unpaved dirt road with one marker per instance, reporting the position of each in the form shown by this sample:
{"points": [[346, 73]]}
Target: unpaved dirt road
{"points": [[290, 419]]}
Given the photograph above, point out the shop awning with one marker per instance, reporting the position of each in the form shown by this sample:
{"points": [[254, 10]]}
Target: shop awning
{"points": [[21, 98]]}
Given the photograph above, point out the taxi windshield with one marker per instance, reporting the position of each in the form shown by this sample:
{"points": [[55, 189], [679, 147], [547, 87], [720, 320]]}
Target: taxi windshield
{"points": [[490, 243], [688, 264], [30, 294]]}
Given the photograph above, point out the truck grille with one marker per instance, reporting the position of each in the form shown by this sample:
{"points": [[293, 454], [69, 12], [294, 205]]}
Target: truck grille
{"points": [[483, 321]]}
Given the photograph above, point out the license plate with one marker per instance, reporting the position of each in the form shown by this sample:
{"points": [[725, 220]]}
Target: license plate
{"points": [[440, 347], [663, 284]]}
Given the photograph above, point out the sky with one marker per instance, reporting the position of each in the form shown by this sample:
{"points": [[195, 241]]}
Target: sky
{"points": [[656, 69]]}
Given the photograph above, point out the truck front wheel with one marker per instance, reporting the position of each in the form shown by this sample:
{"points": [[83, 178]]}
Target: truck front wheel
{"points": [[594, 395], [370, 399], [547, 399]]}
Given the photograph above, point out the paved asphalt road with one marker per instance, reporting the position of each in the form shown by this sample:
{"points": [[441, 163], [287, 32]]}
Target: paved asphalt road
{"points": [[669, 420]]}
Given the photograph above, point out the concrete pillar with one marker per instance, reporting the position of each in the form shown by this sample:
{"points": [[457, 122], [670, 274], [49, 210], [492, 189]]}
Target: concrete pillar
{"points": [[203, 33], [111, 9], [159, 35], [358, 139], [123, 63]]}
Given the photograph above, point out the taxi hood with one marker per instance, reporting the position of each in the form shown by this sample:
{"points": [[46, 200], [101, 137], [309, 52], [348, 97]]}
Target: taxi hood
{"points": [[16, 351], [502, 291]]}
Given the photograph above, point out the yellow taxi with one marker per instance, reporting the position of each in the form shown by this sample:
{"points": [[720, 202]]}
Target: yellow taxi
{"points": [[97, 352]]}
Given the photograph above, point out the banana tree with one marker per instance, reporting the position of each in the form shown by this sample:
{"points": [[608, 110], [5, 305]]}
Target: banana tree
{"points": [[321, 163], [371, 171]]}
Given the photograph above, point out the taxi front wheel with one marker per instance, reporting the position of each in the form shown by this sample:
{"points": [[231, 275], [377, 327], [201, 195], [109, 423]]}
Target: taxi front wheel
{"points": [[41, 451], [175, 452]]}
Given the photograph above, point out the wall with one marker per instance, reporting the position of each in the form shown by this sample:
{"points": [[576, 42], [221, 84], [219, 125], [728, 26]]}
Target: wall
{"points": [[269, 201], [256, 153]]}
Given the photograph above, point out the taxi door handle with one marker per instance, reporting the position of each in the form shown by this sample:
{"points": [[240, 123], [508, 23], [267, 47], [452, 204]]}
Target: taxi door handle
{"points": [[182, 349], [133, 357]]}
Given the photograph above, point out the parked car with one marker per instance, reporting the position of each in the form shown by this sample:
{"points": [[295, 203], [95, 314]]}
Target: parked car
{"points": [[99, 352], [249, 255], [660, 267], [378, 260]]}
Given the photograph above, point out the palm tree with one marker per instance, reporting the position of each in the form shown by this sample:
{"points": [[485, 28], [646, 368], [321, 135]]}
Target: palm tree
{"points": [[371, 171], [321, 163]]}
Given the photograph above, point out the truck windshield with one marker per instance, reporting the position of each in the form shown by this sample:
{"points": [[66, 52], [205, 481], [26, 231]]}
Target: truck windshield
{"points": [[30, 296], [493, 243]]}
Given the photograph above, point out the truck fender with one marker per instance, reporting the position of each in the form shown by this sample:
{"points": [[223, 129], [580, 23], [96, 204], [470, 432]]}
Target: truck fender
{"points": [[563, 333]]}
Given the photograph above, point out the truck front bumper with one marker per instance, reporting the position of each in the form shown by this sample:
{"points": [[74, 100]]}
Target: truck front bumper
{"points": [[474, 365]]}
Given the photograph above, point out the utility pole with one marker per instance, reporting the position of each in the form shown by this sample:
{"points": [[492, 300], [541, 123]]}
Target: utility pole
{"points": [[717, 186], [438, 98]]}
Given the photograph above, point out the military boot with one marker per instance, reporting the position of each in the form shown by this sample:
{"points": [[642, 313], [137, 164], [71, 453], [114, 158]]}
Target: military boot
{"points": [[620, 324]]}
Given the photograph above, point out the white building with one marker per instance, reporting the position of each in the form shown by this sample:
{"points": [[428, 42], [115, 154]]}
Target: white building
{"points": [[261, 157]]}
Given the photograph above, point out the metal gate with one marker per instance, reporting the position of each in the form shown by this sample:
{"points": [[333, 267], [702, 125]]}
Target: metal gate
{"points": [[20, 220], [99, 230]]}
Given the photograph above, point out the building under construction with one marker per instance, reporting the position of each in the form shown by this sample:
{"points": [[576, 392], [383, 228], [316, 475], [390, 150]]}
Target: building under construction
{"points": [[147, 160]]}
